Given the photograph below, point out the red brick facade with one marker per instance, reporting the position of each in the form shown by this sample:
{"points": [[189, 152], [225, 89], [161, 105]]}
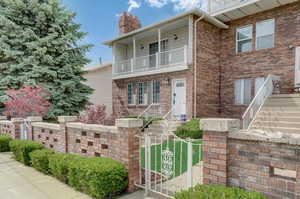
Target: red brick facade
{"points": [[279, 60], [218, 66]]}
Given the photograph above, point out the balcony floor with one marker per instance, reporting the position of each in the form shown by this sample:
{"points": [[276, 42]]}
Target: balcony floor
{"points": [[152, 72]]}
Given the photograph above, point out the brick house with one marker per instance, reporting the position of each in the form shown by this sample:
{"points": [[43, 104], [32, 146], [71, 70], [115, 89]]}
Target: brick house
{"points": [[206, 64]]}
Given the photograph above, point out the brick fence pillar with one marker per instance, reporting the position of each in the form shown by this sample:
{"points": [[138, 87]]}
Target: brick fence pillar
{"points": [[63, 137], [216, 154], [30, 120], [16, 131], [129, 148]]}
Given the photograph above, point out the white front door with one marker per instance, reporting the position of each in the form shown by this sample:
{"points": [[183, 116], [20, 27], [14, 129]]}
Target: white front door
{"points": [[179, 97], [297, 67]]}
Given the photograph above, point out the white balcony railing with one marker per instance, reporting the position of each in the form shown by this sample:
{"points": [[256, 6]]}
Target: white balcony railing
{"points": [[162, 60], [218, 6]]}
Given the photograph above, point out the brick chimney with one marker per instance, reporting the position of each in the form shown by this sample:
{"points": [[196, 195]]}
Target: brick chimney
{"points": [[128, 23]]}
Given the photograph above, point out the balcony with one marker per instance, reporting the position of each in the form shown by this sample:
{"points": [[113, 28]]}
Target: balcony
{"points": [[167, 61], [227, 10]]}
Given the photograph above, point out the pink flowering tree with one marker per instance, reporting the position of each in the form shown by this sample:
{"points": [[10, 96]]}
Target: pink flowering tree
{"points": [[96, 114], [27, 101]]}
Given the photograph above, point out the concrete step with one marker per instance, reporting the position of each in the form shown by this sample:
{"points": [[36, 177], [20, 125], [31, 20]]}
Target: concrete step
{"points": [[282, 104], [263, 124], [281, 109], [277, 119], [279, 114], [278, 129], [286, 96], [282, 100]]}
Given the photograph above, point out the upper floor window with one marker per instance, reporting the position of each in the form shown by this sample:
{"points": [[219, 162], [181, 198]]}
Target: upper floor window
{"points": [[265, 34], [244, 38]]}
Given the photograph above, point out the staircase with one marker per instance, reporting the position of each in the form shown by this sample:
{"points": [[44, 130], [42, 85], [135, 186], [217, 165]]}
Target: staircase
{"points": [[162, 127], [280, 113]]}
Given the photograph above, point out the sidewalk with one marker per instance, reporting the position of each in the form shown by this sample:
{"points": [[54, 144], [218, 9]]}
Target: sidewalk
{"points": [[20, 182]]}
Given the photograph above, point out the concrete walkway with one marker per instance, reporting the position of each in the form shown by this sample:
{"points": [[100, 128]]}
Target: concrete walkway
{"points": [[20, 182]]}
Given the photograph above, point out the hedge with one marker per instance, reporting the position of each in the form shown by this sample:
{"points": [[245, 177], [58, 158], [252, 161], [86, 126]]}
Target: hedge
{"points": [[219, 192], [22, 148], [40, 159], [98, 177], [59, 165], [4, 143], [190, 129]]}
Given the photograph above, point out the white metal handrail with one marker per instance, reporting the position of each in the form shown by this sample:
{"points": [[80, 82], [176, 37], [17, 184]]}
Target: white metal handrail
{"points": [[145, 111], [265, 91]]}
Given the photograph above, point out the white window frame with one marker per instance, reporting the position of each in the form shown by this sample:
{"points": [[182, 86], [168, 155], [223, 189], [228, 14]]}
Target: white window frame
{"points": [[132, 93], [153, 95], [242, 93], [257, 36], [237, 40], [143, 93]]}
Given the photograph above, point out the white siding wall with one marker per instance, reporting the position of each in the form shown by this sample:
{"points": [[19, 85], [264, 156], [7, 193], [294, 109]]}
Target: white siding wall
{"points": [[182, 33], [101, 81]]}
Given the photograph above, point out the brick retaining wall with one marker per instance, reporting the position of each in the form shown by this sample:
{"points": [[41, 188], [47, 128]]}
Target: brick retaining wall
{"points": [[254, 160], [117, 142]]}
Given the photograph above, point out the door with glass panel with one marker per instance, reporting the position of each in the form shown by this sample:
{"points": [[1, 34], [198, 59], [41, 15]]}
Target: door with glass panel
{"points": [[153, 49]]}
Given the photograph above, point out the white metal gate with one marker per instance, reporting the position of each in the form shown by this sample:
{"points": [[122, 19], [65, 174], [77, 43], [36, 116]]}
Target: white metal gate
{"points": [[24, 130], [169, 164]]}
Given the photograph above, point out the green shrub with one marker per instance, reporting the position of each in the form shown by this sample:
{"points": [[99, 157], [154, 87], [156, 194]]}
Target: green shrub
{"points": [[59, 165], [40, 159], [98, 177], [190, 129], [4, 143], [22, 148], [218, 192]]}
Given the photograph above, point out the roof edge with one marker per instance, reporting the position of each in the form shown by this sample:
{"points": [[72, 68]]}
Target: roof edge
{"points": [[195, 11]]}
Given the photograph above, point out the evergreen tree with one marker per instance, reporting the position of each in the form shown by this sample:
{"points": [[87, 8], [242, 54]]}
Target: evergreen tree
{"points": [[39, 46]]}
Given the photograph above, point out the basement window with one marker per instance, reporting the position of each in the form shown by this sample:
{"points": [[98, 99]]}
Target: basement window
{"points": [[242, 91], [244, 39]]}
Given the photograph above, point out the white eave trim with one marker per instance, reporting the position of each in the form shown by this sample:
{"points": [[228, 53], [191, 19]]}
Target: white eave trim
{"points": [[194, 11]]}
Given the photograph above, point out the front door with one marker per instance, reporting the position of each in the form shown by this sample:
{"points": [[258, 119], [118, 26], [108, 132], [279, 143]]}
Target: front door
{"points": [[297, 67], [179, 97]]}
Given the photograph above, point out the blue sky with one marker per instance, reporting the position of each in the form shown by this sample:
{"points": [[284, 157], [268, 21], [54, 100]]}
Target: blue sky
{"points": [[99, 18]]}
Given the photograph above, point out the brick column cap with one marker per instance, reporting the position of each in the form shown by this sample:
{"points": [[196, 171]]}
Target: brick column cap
{"points": [[129, 123], [220, 124], [65, 119], [3, 117], [17, 119], [35, 119]]}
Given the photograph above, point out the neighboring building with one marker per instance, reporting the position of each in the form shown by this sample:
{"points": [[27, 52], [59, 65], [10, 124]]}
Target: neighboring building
{"points": [[100, 79], [206, 65]]}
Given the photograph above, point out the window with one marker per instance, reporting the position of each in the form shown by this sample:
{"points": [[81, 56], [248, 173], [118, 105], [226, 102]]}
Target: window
{"points": [[242, 91], [258, 83], [265, 34], [244, 39], [141, 93], [156, 92], [130, 93]]}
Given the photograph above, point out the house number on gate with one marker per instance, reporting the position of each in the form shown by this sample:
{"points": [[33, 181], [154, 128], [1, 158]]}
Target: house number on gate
{"points": [[167, 163]]}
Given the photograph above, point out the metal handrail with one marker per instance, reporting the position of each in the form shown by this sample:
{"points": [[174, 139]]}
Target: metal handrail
{"points": [[265, 91], [148, 108], [170, 111]]}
